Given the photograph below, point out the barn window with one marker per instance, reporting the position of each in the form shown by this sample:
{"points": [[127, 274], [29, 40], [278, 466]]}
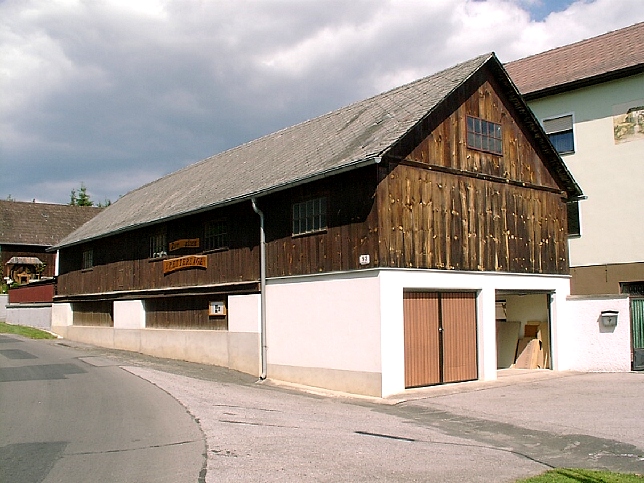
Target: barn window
{"points": [[88, 259], [309, 216], [559, 130], [215, 235], [158, 245], [484, 135]]}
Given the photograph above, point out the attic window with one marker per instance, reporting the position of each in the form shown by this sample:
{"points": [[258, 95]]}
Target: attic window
{"points": [[484, 135], [215, 235]]}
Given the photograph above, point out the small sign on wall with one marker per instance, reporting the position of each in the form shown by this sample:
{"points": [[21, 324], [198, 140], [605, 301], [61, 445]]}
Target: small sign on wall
{"points": [[184, 243], [217, 308], [192, 261]]}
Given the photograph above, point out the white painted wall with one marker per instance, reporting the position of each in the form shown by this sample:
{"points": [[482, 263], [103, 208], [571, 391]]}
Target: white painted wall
{"points": [[30, 315], [610, 174], [244, 313], [129, 314], [589, 345], [354, 322], [4, 300], [393, 282], [330, 322], [61, 315]]}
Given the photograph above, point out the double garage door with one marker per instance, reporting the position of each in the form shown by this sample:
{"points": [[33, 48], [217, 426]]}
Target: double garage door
{"points": [[440, 337]]}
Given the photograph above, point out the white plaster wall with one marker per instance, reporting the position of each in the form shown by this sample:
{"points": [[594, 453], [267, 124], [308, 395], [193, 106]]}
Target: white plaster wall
{"points": [[610, 174], [393, 282], [330, 322], [4, 300], [244, 313], [61, 315], [591, 346], [129, 314], [31, 315]]}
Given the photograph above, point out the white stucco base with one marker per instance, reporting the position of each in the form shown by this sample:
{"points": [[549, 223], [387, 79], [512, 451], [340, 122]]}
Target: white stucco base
{"points": [[237, 348], [30, 315], [4, 300], [353, 323], [592, 347], [345, 331]]}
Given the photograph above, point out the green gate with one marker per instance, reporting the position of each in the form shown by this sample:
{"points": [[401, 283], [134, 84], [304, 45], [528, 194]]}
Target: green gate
{"points": [[637, 324]]}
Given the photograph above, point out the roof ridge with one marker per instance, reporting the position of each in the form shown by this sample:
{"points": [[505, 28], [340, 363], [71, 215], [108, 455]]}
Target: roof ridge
{"points": [[194, 165]]}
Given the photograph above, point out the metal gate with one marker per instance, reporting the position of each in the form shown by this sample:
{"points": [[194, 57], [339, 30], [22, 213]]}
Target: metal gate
{"points": [[440, 337], [637, 325]]}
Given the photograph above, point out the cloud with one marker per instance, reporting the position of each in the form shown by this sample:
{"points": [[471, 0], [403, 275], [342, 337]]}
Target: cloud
{"points": [[117, 93]]}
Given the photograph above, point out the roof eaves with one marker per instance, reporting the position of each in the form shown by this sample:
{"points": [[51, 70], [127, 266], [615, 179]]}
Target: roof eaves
{"points": [[359, 163], [584, 82]]}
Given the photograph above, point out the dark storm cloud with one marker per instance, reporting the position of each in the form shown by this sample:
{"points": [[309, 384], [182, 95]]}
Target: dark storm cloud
{"points": [[115, 94]]}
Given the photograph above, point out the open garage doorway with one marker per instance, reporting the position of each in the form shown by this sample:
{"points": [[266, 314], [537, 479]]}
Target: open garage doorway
{"points": [[523, 330]]}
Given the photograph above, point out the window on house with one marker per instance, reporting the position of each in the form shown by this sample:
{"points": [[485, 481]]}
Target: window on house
{"points": [[574, 222], [484, 135], [309, 216], [215, 235], [158, 245], [559, 130], [88, 259]]}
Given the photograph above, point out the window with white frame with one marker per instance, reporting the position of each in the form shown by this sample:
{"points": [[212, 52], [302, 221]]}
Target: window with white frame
{"points": [[559, 130], [309, 216]]}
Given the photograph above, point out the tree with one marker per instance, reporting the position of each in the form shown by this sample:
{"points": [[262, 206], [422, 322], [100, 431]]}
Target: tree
{"points": [[80, 199]]}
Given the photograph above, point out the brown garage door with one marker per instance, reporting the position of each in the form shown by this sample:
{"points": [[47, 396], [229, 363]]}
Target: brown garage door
{"points": [[440, 337]]}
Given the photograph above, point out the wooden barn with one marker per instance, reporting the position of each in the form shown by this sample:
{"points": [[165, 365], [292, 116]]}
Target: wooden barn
{"points": [[406, 240]]}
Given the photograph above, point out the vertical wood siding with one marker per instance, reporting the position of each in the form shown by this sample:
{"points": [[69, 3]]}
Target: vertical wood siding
{"points": [[97, 313], [183, 313], [440, 220]]}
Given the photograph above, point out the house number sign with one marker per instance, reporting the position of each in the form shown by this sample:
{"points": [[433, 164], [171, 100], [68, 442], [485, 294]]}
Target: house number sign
{"points": [[192, 261]]}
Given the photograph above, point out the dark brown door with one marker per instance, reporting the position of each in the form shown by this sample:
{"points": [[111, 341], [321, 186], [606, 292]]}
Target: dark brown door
{"points": [[440, 337]]}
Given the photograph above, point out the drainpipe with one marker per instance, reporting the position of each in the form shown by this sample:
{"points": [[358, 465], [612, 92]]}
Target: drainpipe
{"points": [[262, 285]]}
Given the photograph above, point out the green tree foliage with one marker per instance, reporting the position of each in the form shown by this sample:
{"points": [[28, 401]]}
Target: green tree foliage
{"points": [[80, 198]]}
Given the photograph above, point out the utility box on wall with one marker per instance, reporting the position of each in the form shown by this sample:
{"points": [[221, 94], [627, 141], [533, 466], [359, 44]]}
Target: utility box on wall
{"points": [[609, 318]]}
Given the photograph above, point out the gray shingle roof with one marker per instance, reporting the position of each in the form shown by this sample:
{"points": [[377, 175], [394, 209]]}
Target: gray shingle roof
{"points": [[40, 224], [343, 139], [615, 52]]}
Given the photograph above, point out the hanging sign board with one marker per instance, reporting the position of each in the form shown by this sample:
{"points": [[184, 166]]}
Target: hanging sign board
{"points": [[184, 243], [192, 261]]}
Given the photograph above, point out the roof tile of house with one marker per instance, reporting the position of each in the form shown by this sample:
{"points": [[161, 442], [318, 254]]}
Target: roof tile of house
{"points": [[40, 224], [610, 53]]}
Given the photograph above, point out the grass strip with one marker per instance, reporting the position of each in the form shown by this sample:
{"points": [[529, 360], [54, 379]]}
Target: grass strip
{"points": [[28, 332], [577, 475]]}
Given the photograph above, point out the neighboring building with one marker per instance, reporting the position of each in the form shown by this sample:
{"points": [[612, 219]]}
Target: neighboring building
{"points": [[27, 230], [396, 230], [589, 96]]}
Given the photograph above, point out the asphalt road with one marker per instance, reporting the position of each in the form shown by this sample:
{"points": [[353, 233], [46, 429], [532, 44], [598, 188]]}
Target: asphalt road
{"points": [[70, 416], [488, 432]]}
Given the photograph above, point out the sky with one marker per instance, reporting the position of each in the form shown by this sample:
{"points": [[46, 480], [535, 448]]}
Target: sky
{"points": [[113, 94]]}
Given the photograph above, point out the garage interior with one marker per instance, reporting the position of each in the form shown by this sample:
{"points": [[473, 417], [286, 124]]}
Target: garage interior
{"points": [[523, 330]]}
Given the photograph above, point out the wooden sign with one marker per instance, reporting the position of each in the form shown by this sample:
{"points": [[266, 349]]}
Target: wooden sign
{"points": [[192, 261], [184, 243]]}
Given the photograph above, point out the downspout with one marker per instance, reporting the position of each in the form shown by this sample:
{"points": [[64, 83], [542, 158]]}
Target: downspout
{"points": [[262, 286]]}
